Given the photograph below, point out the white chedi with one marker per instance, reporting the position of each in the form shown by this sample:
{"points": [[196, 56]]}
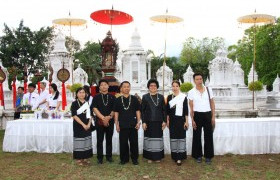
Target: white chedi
{"points": [[59, 45], [133, 62], [207, 81], [276, 84], [58, 58], [250, 76], [238, 74], [80, 76], [168, 76], [188, 76], [220, 69], [118, 73], [5, 83]]}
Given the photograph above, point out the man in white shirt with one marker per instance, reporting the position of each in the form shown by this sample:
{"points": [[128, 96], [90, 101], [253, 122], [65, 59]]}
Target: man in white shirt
{"points": [[31, 97], [202, 111], [42, 100]]}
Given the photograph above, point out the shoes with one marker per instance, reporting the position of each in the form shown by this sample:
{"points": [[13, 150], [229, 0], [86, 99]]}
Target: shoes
{"points": [[87, 162], [122, 162], [99, 161], [135, 162], [179, 163], [80, 163], [150, 161], [109, 159], [198, 160], [208, 161]]}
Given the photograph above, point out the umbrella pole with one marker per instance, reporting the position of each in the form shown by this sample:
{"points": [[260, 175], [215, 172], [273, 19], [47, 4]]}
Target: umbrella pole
{"points": [[71, 45], [254, 65], [164, 59]]}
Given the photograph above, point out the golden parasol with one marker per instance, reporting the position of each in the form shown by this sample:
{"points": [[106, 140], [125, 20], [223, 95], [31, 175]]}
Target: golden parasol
{"points": [[69, 21], [256, 19], [165, 18]]}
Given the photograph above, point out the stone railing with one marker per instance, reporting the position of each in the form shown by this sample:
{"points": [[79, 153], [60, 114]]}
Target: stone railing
{"points": [[221, 91]]}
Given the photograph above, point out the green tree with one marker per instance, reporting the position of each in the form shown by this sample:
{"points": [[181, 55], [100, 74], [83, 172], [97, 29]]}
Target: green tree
{"points": [[267, 52], [90, 60], [22, 46], [198, 53], [156, 63], [173, 62], [177, 67], [72, 44]]}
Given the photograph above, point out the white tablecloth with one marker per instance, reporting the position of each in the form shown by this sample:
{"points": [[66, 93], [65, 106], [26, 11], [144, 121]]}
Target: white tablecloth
{"points": [[236, 136]]}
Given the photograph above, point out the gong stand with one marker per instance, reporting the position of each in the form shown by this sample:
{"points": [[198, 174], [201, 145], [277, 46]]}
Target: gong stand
{"points": [[63, 75]]}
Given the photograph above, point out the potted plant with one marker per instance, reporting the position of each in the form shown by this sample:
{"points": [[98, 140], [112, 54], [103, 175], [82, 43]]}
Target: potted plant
{"points": [[75, 86], [186, 87], [255, 86]]}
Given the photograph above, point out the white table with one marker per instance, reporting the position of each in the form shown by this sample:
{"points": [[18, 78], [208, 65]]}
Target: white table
{"points": [[236, 136]]}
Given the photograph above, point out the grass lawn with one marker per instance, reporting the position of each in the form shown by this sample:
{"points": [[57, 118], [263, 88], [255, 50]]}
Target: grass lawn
{"points": [[61, 166]]}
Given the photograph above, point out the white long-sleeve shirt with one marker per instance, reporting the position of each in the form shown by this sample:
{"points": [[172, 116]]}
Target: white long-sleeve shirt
{"points": [[30, 99], [43, 96]]}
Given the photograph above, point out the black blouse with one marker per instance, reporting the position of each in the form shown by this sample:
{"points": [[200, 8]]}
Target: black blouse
{"points": [[150, 110]]}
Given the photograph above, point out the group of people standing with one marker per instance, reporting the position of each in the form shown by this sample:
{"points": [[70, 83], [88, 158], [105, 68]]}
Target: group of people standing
{"points": [[126, 112], [48, 100]]}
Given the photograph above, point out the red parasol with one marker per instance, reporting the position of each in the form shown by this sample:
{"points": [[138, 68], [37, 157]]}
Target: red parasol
{"points": [[111, 17]]}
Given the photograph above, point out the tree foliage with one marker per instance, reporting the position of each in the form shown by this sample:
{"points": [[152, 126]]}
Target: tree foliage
{"points": [[90, 60], [75, 87], [173, 62], [72, 45], [22, 46], [197, 53], [255, 86], [267, 52], [186, 87]]}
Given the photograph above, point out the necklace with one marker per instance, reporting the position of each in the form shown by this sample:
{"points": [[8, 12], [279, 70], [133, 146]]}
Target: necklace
{"points": [[126, 108], [156, 104], [105, 104], [199, 91], [80, 106]]}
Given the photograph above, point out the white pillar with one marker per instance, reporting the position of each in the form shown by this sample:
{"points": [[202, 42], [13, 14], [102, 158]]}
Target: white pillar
{"points": [[149, 70]]}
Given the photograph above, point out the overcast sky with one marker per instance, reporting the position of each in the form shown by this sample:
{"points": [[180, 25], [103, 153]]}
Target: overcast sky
{"points": [[202, 18]]}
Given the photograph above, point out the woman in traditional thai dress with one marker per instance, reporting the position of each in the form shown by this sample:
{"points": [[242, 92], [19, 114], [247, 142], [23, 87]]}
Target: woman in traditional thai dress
{"points": [[177, 121], [82, 143], [154, 122]]}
